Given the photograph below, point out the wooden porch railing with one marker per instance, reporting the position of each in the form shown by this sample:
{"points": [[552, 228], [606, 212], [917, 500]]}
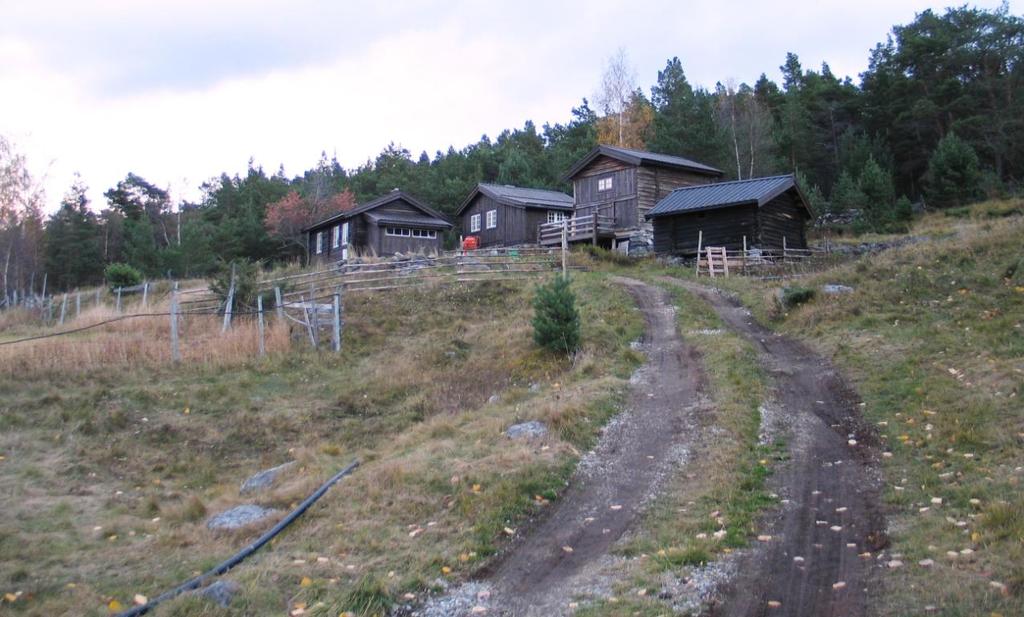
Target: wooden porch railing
{"points": [[579, 228]]}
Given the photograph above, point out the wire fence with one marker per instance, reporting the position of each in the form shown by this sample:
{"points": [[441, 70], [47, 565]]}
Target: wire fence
{"points": [[155, 320]]}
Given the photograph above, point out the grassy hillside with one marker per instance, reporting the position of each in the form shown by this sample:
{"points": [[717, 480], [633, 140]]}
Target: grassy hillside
{"points": [[933, 337], [108, 474]]}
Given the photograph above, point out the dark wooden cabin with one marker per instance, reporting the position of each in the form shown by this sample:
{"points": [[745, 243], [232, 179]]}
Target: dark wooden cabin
{"points": [[762, 210], [621, 186], [394, 223], [504, 215]]}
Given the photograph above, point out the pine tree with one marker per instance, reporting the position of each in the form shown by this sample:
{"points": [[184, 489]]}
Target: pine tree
{"points": [[556, 322], [72, 242], [953, 177]]}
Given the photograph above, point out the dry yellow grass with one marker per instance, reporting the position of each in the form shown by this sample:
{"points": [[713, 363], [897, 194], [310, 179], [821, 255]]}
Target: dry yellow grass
{"points": [[134, 339]]}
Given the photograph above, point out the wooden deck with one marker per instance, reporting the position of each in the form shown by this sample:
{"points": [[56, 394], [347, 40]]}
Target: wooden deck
{"points": [[589, 228]]}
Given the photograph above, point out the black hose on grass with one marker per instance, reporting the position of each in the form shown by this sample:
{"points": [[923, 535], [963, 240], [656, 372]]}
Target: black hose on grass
{"points": [[198, 581]]}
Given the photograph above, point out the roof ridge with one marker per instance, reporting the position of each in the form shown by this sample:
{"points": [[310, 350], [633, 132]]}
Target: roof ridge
{"points": [[710, 184]]}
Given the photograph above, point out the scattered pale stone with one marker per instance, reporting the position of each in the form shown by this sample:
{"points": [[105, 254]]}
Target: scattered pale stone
{"points": [[839, 585], [975, 502], [967, 551], [774, 604], [798, 559], [952, 554], [851, 545], [528, 430], [937, 501], [567, 549], [926, 563], [836, 528], [478, 610], [815, 492], [764, 538], [701, 536], [719, 534], [886, 454], [240, 516], [841, 510], [615, 507], [895, 563], [1003, 589], [852, 442], [264, 479], [140, 599]]}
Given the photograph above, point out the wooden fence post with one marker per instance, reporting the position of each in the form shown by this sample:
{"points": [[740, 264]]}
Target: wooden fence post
{"points": [[744, 254], [44, 287], [117, 307], [565, 247], [336, 332], [175, 350], [278, 304], [63, 308], [229, 303], [700, 240], [78, 305], [259, 324], [97, 297], [309, 323], [145, 293]]}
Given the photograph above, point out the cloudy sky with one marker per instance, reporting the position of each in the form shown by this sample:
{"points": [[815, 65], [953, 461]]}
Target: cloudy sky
{"points": [[178, 91]]}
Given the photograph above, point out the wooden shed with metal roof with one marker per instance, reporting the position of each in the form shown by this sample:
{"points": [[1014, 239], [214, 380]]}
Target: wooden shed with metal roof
{"points": [[393, 223], [505, 215], [767, 213]]}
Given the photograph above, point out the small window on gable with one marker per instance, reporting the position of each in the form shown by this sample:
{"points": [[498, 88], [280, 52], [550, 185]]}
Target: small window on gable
{"points": [[604, 184], [337, 237], [474, 223], [492, 219], [319, 242]]}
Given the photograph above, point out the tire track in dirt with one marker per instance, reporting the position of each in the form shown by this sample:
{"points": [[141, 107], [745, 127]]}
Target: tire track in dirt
{"points": [[639, 448], [831, 523]]}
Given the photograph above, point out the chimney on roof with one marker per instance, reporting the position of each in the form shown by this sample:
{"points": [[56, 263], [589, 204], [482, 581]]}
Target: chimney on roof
{"points": [[394, 190]]}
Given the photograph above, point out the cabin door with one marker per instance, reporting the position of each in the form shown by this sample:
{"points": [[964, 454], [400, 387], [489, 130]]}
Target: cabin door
{"points": [[344, 240]]}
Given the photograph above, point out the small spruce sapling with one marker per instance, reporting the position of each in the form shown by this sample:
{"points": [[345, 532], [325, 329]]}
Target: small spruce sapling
{"points": [[556, 322]]}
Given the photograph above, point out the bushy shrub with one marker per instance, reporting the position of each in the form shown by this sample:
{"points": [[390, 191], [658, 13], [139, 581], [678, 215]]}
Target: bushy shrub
{"points": [[556, 322], [121, 275], [796, 295]]}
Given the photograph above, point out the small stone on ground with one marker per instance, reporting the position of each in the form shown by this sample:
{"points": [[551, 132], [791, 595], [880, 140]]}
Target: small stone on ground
{"points": [[240, 516], [529, 429], [264, 479]]}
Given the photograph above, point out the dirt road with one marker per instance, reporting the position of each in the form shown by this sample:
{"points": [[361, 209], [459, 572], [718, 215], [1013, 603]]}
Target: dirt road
{"points": [[639, 448], [824, 537]]}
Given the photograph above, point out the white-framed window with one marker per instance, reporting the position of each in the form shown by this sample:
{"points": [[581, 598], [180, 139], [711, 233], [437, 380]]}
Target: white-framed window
{"points": [[604, 184], [319, 242], [492, 219], [556, 216], [474, 223], [336, 241], [403, 232]]}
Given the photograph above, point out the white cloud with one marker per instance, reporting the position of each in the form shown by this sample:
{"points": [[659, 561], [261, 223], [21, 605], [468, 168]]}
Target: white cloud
{"points": [[349, 80]]}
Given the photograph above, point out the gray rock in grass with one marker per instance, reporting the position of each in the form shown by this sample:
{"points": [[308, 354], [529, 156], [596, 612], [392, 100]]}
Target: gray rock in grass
{"points": [[529, 429], [240, 516], [220, 592], [264, 479]]}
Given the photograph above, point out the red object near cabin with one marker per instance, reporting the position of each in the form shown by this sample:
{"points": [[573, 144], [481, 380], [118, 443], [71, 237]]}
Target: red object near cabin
{"points": [[470, 243]]}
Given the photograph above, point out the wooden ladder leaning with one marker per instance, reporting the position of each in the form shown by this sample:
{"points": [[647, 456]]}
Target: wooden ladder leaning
{"points": [[718, 261]]}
